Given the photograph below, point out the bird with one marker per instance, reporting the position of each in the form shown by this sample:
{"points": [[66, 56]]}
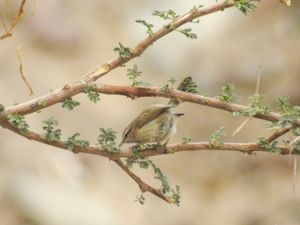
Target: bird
{"points": [[156, 123]]}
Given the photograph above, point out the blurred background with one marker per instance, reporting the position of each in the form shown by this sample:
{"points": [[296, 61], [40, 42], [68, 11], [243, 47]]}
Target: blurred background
{"points": [[62, 40]]}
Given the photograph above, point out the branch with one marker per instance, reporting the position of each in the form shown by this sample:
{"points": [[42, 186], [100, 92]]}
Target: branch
{"points": [[8, 31], [132, 92], [170, 149], [76, 87], [143, 45], [143, 186]]}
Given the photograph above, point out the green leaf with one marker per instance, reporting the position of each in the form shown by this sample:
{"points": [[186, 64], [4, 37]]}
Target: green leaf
{"points": [[144, 164], [296, 147], [50, 132], [186, 140], [187, 32], [166, 15], [169, 86], [245, 6], [283, 104], [227, 94], [106, 140], [2, 108], [73, 142], [214, 139], [133, 74], [70, 104], [124, 52], [149, 27], [190, 86], [272, 147], [92, 95], [289, 113], [176, 195], [140, 199], [19, 122], [166, 189], [256, 106]]}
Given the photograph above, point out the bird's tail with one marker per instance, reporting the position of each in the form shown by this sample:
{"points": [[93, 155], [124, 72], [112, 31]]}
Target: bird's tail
{"points": [[181, 87]]}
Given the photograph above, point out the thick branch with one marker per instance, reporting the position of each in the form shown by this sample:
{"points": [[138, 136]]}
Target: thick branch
{"points": [[194, 146], [132, 92]]}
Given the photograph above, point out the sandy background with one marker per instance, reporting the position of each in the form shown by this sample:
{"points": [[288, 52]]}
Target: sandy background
{"points": [[61, 40]]}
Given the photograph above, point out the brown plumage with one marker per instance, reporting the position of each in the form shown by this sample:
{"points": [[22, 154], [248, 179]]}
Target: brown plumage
{"points": [[154, 125]]}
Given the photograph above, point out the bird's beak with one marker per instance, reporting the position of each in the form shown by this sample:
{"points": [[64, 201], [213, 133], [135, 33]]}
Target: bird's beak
{"points": [[122, 142], [178, 114]]}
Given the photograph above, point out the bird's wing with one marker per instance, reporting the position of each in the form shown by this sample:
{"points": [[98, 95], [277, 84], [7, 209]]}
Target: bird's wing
{"points": [[146, 117]]}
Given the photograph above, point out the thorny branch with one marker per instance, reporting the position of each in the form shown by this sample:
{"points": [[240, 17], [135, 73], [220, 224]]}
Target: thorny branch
{"points": [[143, 186], [79, 86]]}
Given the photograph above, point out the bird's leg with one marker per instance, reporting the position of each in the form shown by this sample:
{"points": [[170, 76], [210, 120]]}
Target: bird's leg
{"points": [[164, 145]]}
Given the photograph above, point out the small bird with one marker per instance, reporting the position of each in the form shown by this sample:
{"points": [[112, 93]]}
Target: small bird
{"points": [[154, 125]]}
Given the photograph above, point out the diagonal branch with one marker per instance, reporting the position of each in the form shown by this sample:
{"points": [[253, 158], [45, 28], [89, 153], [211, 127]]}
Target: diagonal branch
{"points": [[144, 44], [279, 133], [142, 185], [76, 87]]}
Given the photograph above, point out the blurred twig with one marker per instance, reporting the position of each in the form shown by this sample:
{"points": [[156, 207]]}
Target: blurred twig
{"points": [[13, 24]]}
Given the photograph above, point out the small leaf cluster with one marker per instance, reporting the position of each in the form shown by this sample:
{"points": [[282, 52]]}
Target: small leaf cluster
{"points": [[169, 86], [214, 139], [227, 94], [256, 106], [149, 27], [92, 94], [166, 15], [19, 122], [73, 142], [186, 140], [70, 103], [51, 134], [296, 147], [172, 15], [106, 140], [140, 199], [271, 147], [188, 33], [124, 52], [245, 6], [196, 7], [190, 86], [133, 74], [166, 189], [289, 113], [2, 108]]}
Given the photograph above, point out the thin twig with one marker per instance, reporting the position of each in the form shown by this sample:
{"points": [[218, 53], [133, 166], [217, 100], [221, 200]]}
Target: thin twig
{"points": [[143, 186], [13, 24], [21, 72], [243, 124]]}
